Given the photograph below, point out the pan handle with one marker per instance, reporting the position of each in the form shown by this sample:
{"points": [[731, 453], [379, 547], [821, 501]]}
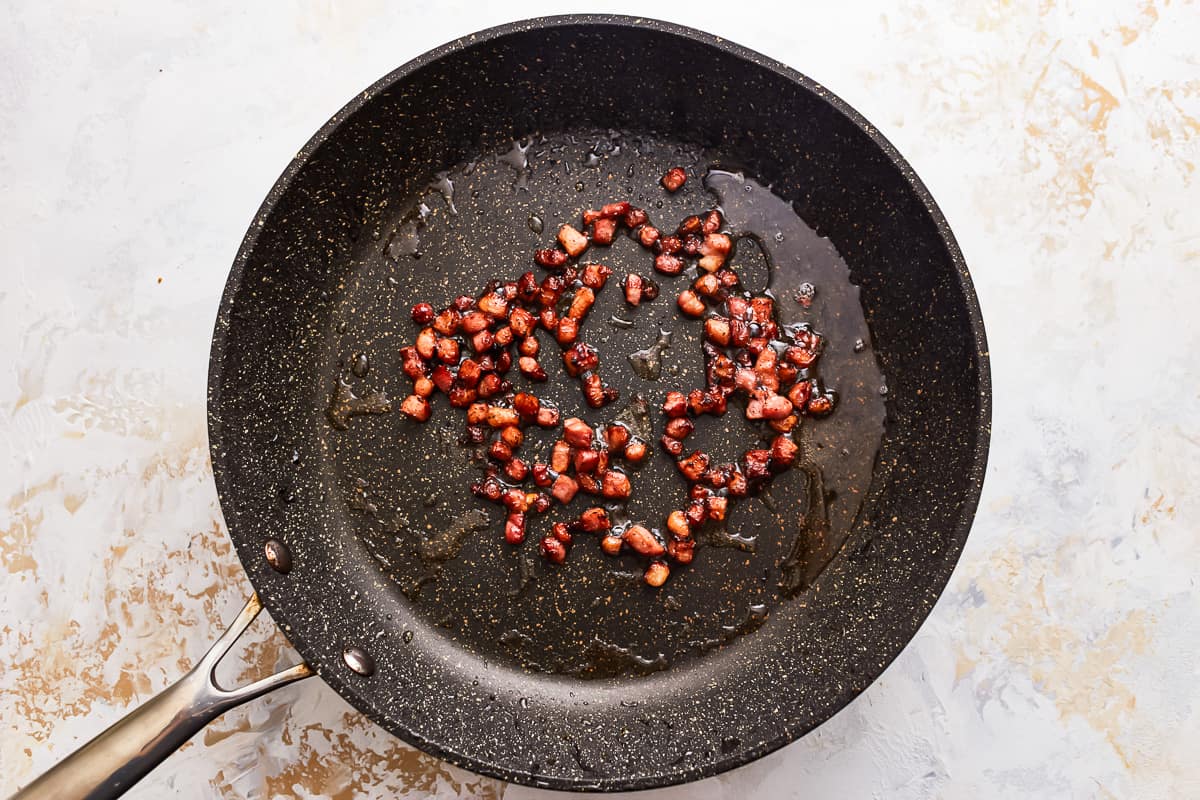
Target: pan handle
{"points": [[119, 757]]}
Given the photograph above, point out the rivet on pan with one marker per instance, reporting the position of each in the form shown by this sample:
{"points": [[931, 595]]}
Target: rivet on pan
{"points": [[278, 556], [357, 660]]}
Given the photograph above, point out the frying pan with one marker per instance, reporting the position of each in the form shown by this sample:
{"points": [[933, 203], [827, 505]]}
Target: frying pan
{"points": [[392, 581]]}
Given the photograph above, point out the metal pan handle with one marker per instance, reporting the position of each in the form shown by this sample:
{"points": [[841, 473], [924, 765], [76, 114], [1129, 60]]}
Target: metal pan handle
{"points": [[119, 757]]}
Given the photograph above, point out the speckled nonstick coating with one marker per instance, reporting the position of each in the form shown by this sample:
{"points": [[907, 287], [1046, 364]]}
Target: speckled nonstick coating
{"points": [[298, 302]]}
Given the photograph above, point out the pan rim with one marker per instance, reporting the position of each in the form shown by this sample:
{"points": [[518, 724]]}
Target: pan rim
{"points": [[957, 535]]}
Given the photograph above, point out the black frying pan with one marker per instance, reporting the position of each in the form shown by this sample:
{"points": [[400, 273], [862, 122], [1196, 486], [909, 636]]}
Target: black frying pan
{"points": [[393, 581]]}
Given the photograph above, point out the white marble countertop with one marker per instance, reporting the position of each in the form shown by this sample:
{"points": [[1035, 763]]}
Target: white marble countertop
{"points": [[1061, 139]]}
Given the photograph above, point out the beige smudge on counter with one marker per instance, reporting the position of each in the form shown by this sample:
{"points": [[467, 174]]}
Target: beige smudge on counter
{"points": [[963, 666], [17, 538], [225, 728], [1172, 128], [67, 679], [1147, 16], [1077, 147], [336, 763], [1084, 676]]}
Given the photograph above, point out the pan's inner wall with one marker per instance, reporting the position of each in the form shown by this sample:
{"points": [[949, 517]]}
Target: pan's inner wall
{"points": [[270, 386]]}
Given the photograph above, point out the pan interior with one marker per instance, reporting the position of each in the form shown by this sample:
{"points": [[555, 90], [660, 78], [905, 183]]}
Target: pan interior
{"points": [[405, 484]]}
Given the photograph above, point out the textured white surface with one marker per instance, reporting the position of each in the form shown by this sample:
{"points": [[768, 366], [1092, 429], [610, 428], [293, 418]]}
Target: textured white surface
{"points": [[1061, 139]]}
